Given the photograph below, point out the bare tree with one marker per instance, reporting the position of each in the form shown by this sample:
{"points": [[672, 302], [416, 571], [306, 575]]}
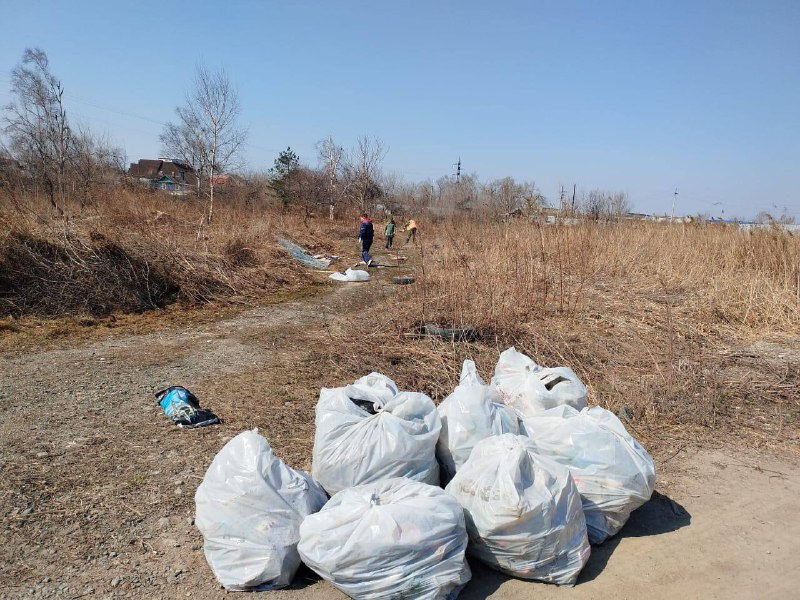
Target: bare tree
{"points": [[331, 157], [36, 123], [599, 204], [207, 135], [617, 205], [363, 167], [509, 198], [94, 160]]}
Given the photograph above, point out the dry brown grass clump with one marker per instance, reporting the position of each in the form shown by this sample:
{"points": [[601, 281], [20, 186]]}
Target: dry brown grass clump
{"points": [[692, 329], [501, 277], [137, 251]]}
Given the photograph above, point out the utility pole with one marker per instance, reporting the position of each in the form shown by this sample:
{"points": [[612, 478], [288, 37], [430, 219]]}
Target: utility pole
{"points": [[574, 189], [458, 170], [561, 200], [674, 198]]}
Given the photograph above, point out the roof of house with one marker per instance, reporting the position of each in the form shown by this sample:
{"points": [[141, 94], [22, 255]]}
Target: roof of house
{"points": [[155, 169]]}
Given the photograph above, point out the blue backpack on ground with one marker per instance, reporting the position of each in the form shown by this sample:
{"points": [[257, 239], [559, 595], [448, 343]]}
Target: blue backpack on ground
{"points": [[183, 407]]}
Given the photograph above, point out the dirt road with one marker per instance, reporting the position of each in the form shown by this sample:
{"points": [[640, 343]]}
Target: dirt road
{"points": [[97, 486]]}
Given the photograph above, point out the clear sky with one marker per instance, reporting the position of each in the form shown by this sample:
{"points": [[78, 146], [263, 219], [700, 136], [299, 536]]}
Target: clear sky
{"points": [[640, 96]]}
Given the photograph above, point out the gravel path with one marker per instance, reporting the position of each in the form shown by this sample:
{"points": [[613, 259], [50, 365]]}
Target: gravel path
{"points": [[97, 486]]}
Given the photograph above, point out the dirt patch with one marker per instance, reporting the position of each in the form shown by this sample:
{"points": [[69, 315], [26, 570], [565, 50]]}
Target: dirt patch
{"points": [[97, 485]]}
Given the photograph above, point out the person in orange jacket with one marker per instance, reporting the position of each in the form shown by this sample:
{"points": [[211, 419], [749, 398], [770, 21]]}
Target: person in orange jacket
{"points": [[411, 228]]}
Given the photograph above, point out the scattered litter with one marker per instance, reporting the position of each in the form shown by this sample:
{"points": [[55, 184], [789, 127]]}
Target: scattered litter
{"points": [[473, 411], [524, 514], [614, 474], [249, 509], [529, 388], [397, 538], [452, 334], [183, 407], [403, 279], [625, 414], [394, 437], [320, 261], [350, 275], [328, 257]]}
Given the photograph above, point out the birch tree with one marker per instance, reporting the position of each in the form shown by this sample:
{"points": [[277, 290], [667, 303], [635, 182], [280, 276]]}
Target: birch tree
{"points": [[36, 123], [206, 134], [330, 156]]}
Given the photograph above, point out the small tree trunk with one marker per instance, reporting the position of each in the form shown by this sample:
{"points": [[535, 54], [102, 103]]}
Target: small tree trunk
{"points": [[211, 194]]}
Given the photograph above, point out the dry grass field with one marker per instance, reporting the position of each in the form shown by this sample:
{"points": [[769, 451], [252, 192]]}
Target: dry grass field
{"points": [[691, 331]]}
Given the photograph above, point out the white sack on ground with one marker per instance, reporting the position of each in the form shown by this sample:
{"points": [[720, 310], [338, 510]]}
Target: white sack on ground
{"points": [[367, 432], [350, 275], [529, 388], [397, 538], [524, 514], [473, 411], [614, 474], [249, 509]]}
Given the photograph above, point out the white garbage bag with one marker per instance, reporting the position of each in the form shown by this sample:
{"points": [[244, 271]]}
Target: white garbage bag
{"points": [[471, 413], [524, 514], [529, 388], [369, 431], [396, 538], [249, 509], [614, 474], [350, 275]]}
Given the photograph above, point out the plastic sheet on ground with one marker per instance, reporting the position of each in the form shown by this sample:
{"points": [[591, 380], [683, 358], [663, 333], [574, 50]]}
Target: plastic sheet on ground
{"points": [[249, 509], [529, 388], [305, 257], [614, 474], [369, 431], [350, 275], [473, 411], [524, 514], [397, 538]]}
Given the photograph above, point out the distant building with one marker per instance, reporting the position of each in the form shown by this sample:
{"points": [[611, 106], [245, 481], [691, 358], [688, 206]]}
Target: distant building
{"points": [[167, 174]]}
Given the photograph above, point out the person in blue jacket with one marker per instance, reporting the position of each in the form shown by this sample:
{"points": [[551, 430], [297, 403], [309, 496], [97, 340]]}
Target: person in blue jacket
{"points": [[365, 235]]}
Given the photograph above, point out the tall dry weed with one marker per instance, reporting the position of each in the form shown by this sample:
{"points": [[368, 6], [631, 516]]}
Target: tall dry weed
{"points": [[138, 250]]}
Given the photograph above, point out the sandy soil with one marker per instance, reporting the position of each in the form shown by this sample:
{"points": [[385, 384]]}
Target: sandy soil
{"points": [[96, 486]]}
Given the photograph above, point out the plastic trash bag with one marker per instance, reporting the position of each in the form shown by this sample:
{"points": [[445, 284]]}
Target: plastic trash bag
{"points": [[369, 431], [249, 509], [397, 538], [350, 275], [523, 511], [183, 408], [473, 411], [614, 474], [529, 388]]}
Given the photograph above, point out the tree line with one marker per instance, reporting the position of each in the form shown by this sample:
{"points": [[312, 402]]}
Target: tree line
{"points": [[67, 160]]}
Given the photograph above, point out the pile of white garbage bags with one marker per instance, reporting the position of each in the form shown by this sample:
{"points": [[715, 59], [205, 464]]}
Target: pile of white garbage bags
{"points": [[534, 477], [524, 514], [395, 538], [473, 411], [350, 275], [614, 474], [369, 431], [529, 388], [249, 509]]}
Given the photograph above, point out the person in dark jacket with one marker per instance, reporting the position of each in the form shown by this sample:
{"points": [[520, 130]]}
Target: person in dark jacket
{"points": [[388, 231], [365, 235]]}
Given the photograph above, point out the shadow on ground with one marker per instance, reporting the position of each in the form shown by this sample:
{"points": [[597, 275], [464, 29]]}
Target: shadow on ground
{"points": [[660, 515]]}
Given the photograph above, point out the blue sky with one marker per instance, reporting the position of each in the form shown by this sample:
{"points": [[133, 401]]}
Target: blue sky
{"points": [[641, 96]]}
